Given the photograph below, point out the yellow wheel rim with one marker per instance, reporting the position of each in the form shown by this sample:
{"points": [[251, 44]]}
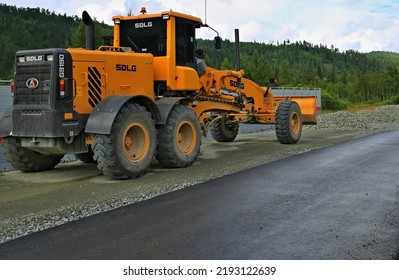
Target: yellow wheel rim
{"points": [[136, 142], [186, 137], [295, 123]]}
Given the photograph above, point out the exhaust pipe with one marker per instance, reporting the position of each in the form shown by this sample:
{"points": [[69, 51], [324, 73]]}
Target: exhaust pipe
{"points": [[238, 60], [90, 32]]}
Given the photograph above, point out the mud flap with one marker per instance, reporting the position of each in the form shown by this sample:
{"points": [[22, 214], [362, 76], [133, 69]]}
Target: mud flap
{"points": [[166, 104], [103, 115], [6, 123]]}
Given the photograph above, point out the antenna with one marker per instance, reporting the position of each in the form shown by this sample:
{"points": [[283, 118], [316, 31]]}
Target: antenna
{"points": [[206, 24], [205, 12], [217, 38]]}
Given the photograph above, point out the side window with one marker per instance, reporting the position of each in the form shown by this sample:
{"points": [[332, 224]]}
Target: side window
{"points": [[185, 42]]}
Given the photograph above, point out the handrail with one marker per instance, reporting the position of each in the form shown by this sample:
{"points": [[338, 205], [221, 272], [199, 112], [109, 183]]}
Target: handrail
{"points": [[296, 88]]}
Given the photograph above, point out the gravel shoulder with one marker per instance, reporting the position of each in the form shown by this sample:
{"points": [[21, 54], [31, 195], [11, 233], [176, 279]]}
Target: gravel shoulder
{"points": [[31, 202]]}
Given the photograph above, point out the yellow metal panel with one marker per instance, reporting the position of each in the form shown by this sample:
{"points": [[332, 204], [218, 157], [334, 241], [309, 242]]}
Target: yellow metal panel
{"points": [[171, 53], [161, 63], [129, 73], [98, 74], [186, 78], [88, 85], [117, 37]]}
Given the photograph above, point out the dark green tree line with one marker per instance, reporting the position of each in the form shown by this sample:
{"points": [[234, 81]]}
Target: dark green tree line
{"points": [[35, 28]]}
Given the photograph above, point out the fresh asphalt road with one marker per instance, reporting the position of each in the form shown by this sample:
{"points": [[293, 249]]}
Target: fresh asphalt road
{"points": [[339, 202]]}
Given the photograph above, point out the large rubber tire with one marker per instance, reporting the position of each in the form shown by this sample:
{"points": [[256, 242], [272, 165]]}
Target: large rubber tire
{"points": [[127, 152], [179, 139], [288, 122], [27, 160], [224, 132]]}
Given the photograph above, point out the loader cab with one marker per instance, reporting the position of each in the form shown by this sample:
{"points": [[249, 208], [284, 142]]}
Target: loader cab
{"points": [[170, 38]]}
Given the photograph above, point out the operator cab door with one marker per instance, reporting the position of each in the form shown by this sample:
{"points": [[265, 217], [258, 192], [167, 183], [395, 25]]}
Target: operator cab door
{"points": [[187, 79], [185, 43]]}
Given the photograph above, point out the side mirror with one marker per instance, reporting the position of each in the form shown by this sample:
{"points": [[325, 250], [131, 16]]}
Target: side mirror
{"points": [[218, 42]]}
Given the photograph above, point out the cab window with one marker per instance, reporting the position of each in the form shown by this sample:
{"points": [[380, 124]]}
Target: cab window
{"points": [[185, 42], [146, 36]]}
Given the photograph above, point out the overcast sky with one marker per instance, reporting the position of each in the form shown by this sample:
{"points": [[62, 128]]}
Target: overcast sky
{"points": [[363, 25]]}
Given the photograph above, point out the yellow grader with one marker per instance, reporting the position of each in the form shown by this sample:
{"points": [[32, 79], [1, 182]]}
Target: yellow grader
{"points": [[134, 98]]}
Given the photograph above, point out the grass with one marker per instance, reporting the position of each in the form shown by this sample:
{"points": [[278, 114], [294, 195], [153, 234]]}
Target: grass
{"points": [[353, 108], [364, 106]]}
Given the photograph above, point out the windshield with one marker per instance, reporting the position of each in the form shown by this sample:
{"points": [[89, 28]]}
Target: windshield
{"points": [[147, 36]]}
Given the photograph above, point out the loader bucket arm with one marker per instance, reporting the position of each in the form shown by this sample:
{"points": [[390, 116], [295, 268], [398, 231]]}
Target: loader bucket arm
{"points": [[214, 80]]}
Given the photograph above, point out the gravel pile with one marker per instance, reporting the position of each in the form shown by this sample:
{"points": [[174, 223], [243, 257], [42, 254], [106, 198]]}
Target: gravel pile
{"points": [[382, 118]]}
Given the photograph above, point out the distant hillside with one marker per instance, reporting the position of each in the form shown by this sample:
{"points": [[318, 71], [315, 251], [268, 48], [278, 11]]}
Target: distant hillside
{"points": [[388, 56], [34, 28], [30, 28], [345, 77]]}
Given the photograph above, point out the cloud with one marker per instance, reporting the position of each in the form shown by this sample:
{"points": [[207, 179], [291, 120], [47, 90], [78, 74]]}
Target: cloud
{"points": [[250, 31], [360, 25], [364, 25], [104, 10]]}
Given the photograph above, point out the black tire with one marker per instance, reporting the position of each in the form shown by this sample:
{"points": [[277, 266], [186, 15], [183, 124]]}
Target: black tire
{"points": [[179, 139], [128, 150], [224, 132], [288, 122], [27, 160]]}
